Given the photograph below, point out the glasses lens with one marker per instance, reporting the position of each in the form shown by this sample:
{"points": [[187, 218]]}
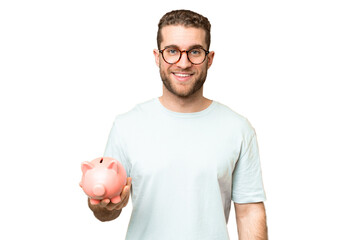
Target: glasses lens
{"points": [[171, 55], [195, 55]]}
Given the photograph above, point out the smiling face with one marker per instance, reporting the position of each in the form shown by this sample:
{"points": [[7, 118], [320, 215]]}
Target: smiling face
{"points": [[183, 79]]}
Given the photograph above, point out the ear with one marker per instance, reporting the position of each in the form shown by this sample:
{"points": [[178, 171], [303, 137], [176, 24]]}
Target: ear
{"points": [[157, 55], [113, 166], [85, 166], [210, 59]]}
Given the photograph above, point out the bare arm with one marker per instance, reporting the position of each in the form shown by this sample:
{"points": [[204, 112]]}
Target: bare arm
{"points": [[251, 221], [106, 210]]}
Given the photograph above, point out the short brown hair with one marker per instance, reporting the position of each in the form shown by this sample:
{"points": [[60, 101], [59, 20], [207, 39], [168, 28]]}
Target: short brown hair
{"points": [[186, 18]]}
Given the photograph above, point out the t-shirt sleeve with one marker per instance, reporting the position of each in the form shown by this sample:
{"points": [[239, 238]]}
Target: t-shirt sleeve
{"points": [[114, 148], [247, 183]]}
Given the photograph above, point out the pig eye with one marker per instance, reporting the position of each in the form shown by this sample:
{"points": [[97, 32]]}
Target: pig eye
{"points": [[101, 160]]}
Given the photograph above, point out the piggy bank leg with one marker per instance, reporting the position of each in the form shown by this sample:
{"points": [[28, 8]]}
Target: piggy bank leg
{"points": [[116, 199], [94, 201]]}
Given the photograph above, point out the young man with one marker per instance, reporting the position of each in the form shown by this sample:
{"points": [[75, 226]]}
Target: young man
{"points": [[186, 156]]}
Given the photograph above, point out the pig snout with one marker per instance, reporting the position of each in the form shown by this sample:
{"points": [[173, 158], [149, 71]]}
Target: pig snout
{"points": [[99, 190]]}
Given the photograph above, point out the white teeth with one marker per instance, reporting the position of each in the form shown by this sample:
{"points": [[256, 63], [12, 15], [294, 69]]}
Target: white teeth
{"points": [[182, 75]]}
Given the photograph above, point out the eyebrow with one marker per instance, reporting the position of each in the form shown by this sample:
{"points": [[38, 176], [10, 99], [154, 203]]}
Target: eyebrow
{"points": [[191, 47]]}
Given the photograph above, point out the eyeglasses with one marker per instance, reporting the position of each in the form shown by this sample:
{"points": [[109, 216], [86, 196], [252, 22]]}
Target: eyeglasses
{"points": [[172, 55]]}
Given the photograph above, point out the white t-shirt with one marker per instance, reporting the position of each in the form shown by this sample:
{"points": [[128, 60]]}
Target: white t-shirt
{"points": [[185, 168]]}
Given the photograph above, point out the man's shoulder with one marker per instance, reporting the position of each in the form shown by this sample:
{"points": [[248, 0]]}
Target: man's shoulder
{"points": [[226, 111], [231, 118]]}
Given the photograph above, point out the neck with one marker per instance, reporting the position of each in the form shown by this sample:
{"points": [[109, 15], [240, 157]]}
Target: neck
{"points": [[194, 103]]}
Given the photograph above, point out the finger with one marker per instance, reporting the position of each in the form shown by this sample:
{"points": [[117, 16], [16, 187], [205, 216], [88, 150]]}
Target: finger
{"points": [[125, 192], [124, 196], [126, 202], [128, 181], [111, 206], [104, 202], [123, 203], [120, 206]]}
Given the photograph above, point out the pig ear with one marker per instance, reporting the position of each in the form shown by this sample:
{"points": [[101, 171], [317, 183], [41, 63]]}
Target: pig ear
{"points": [[113, 166], [86, 166]]}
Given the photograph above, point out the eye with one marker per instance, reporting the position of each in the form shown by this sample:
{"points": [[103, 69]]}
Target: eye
{"points": [[195, 52], [172, 51]]}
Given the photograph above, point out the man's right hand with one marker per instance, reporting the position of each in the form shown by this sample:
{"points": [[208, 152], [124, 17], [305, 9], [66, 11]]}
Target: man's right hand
{"points": [[106, 210]]}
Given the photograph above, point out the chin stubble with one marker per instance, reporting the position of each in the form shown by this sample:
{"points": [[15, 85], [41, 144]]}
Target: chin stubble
{"points": [[195, 87]]}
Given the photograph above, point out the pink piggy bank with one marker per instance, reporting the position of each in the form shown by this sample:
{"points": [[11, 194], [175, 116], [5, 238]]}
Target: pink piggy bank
{"points": [[102, 178]]}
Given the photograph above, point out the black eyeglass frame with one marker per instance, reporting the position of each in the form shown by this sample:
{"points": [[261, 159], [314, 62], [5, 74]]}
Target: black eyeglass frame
{"points": [[187, 54]]}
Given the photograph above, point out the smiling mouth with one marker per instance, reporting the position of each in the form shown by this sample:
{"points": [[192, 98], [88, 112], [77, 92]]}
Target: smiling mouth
{"points": [[182, 76]]}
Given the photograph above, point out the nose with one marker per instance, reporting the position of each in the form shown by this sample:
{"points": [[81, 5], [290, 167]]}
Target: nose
{"points": [[99, 190], [184, 61]]}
